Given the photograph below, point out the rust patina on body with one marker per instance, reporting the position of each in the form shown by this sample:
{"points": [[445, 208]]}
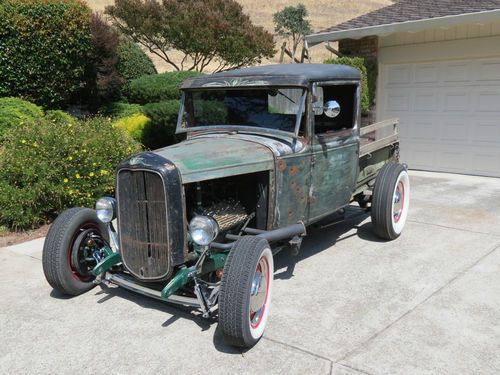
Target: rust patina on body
{"points": [[268, 151]]}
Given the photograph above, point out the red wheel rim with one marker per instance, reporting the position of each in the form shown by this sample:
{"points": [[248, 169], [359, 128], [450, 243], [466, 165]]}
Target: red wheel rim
{"points": [[74, 273], [398, 201], [260, 292]]}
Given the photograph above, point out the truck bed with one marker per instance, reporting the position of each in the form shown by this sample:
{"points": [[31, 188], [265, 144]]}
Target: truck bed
{"points": [[379, 145]]}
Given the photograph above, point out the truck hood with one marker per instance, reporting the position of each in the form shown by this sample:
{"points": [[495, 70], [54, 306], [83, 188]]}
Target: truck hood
{"points": [[207, 157]]}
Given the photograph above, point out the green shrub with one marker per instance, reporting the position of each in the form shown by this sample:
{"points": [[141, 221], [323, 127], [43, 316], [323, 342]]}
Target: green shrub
{"points": [[119, 110], [358, 63], [372, 75], [134, 125], [160, 132], [43, 49], [14, 111], [132, 61], [46, 167], [59, 116], [157, 87]]}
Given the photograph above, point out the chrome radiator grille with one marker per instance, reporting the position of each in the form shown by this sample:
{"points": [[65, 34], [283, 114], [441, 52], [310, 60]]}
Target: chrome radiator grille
{"points": [[142, 223]]}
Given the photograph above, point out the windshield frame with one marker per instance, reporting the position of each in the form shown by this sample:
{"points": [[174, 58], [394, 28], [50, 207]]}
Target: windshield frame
{"points": [[243, 128]]}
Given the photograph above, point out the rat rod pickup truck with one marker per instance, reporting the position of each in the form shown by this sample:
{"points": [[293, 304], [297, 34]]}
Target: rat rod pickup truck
{"points": [[269, 151]]}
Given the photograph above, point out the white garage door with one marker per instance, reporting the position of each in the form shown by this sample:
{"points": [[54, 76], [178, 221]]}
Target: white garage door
{"points": [[449, 113]]}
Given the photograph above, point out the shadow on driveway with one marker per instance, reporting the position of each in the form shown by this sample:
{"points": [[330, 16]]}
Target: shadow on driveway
{"points": [[324, 235]]}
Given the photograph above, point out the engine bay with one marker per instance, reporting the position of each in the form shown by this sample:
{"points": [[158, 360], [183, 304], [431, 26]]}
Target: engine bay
{"points": [[232, 201]]}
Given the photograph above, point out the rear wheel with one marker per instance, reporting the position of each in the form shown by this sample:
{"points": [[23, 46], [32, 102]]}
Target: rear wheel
{"points": [[391, 201], [245, 294], [72, 249]]}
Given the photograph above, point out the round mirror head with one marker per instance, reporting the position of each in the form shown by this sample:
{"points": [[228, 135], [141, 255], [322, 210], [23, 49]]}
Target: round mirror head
{"points": [[331, 108]]}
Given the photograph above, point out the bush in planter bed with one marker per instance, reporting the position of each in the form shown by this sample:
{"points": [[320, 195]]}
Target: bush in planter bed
{"points": [[14, 111], [119, 110], [157, 87], [48, 166], [59, 116], [44, 47], [133, 125], [132, 61], [160, 132]]}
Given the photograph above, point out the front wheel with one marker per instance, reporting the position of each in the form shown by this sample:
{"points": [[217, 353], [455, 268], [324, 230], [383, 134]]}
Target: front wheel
{"points": [[72, 249], [390, 201], [245, 293]]}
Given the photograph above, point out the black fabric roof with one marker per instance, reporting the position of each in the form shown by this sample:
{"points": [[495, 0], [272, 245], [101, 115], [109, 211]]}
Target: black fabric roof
{"points": [[411, 10], [279, 75]]}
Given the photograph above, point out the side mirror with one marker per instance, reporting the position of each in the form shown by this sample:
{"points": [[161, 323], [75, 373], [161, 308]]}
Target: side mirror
{"points": [[331, 108]]}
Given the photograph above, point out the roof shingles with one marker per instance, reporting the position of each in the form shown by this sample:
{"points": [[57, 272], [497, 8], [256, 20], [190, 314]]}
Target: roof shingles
{"points": [[411, 10]]}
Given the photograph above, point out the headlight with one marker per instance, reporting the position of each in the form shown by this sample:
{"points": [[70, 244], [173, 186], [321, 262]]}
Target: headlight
{"points": [[106, 209], [203, 230]]}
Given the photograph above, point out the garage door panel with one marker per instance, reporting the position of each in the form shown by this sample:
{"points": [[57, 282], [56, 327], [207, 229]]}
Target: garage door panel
{"points": [[486, 132], [452, 158], [422, 131], [449, 114], [427, 73], [489, 70], [420, 155], [487, 161], [397, 100], [399, 74], [488, 101], [425, 101], [454, 131], [456, 72], [457, 100]]}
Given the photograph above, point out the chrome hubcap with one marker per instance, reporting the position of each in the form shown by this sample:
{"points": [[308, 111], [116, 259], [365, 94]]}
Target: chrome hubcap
{"points": [[258, 292], [398, 201]]}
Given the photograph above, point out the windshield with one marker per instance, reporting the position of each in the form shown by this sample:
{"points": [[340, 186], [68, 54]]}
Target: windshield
{"points": [[271, 108]]}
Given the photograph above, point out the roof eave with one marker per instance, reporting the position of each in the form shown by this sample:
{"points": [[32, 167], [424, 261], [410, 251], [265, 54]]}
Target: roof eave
{"points": [[446, 21]]}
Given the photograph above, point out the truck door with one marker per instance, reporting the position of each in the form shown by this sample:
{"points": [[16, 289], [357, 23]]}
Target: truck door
{"points": [[335, 148]]}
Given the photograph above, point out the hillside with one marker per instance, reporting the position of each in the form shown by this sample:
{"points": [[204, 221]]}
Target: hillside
{"points": [[322, 14]]}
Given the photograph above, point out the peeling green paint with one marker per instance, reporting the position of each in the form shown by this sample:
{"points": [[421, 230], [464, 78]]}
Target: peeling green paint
{"points": [[111, 259], [180, 279], [204, 158]]}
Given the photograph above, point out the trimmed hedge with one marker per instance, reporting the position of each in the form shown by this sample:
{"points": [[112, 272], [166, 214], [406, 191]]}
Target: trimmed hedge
{"points": [[132, 61], [43, 50], [47, 166], [157, 87], [160, 132], [15, 111], [358, 63], [119, 110]]}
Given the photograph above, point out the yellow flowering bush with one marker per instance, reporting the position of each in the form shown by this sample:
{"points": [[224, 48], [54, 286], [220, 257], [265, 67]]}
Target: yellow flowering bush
{"points": [[133, 125], [47, 166]]}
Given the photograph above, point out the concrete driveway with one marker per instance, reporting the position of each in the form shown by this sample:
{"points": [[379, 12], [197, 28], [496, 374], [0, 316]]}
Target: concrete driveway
{"points": [[427, 303]]}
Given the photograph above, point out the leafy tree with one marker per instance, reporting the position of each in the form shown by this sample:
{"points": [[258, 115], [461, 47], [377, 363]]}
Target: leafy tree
{"points": [[290, 22], [203, 31], [103, 80]]}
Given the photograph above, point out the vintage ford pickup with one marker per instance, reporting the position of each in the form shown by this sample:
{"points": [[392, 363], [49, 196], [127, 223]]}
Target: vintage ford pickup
{"points": [[269, 151]]}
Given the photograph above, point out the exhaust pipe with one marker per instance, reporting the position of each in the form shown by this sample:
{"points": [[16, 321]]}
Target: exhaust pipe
{"points": [[290, 231]]}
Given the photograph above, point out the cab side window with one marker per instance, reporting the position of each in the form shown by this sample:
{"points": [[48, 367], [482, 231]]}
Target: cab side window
{"points": [[345, 96]]}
